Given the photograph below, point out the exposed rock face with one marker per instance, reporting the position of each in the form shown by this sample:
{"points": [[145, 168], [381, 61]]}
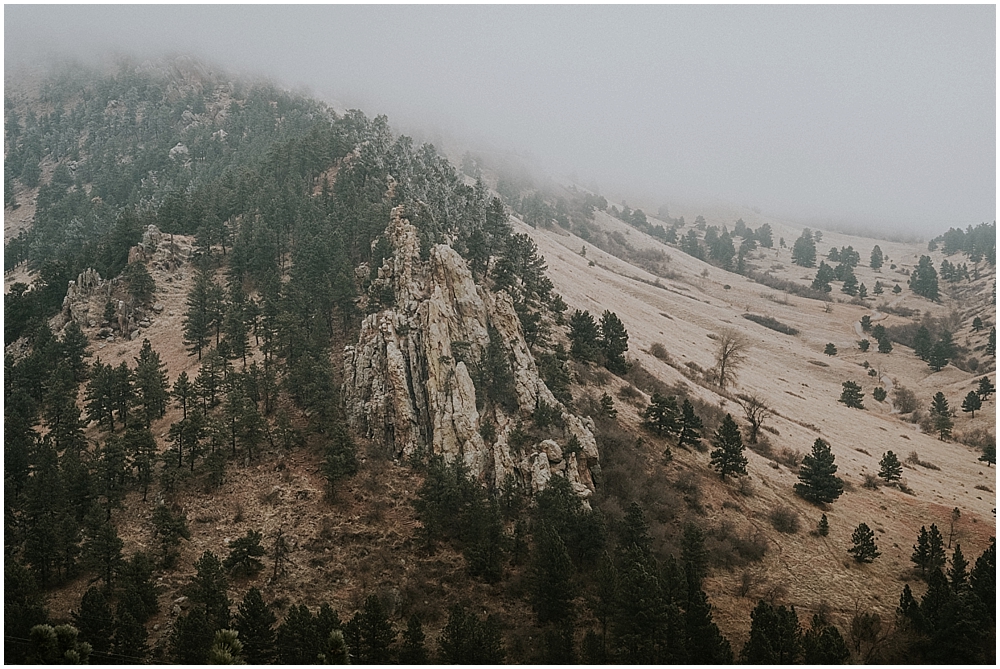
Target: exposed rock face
{"points": [[408, 383]]}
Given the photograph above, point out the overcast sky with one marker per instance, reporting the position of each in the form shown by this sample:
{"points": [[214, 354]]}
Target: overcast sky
{"points": [[853, 114]]}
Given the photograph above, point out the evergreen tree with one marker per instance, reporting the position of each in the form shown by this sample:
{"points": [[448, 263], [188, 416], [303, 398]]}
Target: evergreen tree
{"points": [[103, 550], [255, 623], [208, 588], [877, 258], [466, 639], [728, 458], [341, 458], [138, 596], [971, 403], [823, 643], [922, 343], [551, 569], [296, 639], [824, 275], [941, 415], [226, 648], [660, 417], [694, 556], [129, 642], [884, 345], [775, 635], [583, 336], [375, 633], [99, 397], [991, 342], [614, 343], [804, 250], [935, 549], [977, 324], [192, 637], [830, 349], [878, 289], [198, 318], [983, 582], [24, 608], [823, 527], [140, 284], [852, 395], [921, 551], [864, 345], [95, 623], [989, 455], [690, 426], [958, 575], [817, 475], [985, 389], [864, 548], [151, 383], [890, 469], [923, 279], [243, 554], [937, 359], [412, 651], [705, 643], [57, 645]]}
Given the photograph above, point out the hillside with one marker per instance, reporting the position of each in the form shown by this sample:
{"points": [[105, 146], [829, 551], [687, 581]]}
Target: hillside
{"points": [[273, 369]]}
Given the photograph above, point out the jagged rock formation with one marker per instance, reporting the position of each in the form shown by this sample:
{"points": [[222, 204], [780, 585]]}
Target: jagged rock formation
{"points": [[409, 380]]}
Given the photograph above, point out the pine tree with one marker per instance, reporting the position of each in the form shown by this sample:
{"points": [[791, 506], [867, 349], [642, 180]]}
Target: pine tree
{"points": [[705, 643], [922, 343], [226, 648], [551, 570], [95, 622], [129, 642], [608, 406], [921, 551], [830, 349], [100, 395], [296, 639], [985, 389], [208, 588], [852, 395], [103, 550], [935, 549], [804, 250], [413, 650], [864, 345], [583, 336], [890, 469], [977, 324], [876, 258], [818, 482], [923, 279], [864, 548], [728, 458], [884, 345], [376, 633], [941, 415], [151, 383], [690, 426], [983, 582], [958, 575], [775, 635], [937, 358], [192, 637], [823, 527], [614, 343], [198, 319], [971, 403], [823, 643], [255, 623], [138, 596], [341, 458], [989, 455], [660, 417], [466, 639], [57, 645], [243, 554]]}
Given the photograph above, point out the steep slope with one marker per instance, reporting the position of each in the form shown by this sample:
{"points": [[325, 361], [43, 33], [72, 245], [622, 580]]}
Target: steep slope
{"points": [[685, 313]]}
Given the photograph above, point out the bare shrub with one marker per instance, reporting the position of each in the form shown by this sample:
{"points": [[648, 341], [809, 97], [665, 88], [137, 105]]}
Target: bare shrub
{"points": [[790, 458], [871, 482], [977, 438], [629, 393], [658, 350], [644, 380], [984, 488], [914, 459], [745, 487], [751, 548], [784, 520], [748, 579], [905, 399]]}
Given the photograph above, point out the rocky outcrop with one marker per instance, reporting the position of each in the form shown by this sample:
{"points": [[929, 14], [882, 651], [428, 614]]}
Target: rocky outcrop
{"points": [[409, 380]]}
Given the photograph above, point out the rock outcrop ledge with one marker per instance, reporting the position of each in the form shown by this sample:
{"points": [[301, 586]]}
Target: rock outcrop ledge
{"points": [[409, 387]]}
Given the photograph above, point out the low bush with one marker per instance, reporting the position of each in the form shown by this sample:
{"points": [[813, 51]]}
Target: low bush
{"points": [[771, 323], [784, 520]]}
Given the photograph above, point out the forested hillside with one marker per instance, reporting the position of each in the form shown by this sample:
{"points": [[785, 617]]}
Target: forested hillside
{"points": [[219, 288]]}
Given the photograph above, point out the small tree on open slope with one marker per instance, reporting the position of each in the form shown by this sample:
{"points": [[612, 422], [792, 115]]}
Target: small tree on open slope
{"points": [[941, 415], [728, 458], [864, 548], [972, 403], [817, 475], [852, 395], [890, 469]]}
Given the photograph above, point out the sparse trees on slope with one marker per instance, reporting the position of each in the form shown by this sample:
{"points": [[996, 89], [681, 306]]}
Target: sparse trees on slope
{"points": [[877, 258], [690, 426], [728, 458], [818, 482], [660, 417], [985, 388], [583, 334], [923, 279]]}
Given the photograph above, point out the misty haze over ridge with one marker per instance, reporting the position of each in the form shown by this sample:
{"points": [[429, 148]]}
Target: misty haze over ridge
{"points": [[837, 116]]}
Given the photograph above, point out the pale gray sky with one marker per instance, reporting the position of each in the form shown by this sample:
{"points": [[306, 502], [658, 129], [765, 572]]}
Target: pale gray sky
{"points": [[857, 114]]}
